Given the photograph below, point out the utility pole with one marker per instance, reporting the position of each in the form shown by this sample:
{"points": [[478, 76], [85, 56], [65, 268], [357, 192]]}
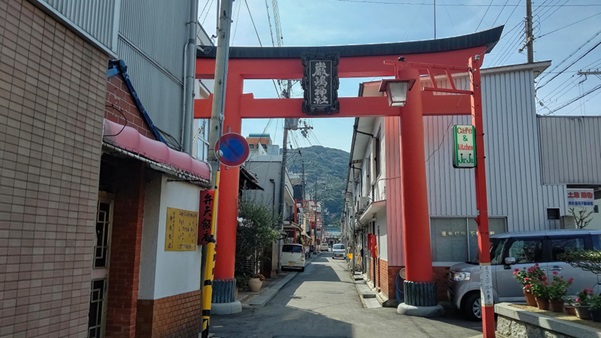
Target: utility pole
{"points": [[529, 36], [217, 116]]}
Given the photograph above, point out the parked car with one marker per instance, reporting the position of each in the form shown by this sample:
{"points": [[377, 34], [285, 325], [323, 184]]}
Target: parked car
{"points": [[521, 250], [339, 251], [324, 246], [293, 256]]}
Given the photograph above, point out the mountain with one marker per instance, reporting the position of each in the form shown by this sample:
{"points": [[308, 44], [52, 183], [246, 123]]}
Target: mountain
{"points": [[326, 170]]}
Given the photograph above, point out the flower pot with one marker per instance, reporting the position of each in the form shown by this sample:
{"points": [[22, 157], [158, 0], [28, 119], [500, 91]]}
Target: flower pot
{"points": [[255, 283], [556, 305], [582, 312], [530, 300], [543, 303], [569, 310], [595, 315]]}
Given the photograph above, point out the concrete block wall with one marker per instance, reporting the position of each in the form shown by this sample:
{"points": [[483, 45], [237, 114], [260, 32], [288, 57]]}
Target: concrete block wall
{"points": [[52, 95]]}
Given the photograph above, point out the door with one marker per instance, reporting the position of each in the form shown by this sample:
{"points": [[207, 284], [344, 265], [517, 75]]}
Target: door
{"points": [[100, 266], [527, 252], [563, 245]]}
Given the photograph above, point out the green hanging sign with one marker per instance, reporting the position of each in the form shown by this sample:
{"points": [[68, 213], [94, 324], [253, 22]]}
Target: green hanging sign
{"points": [[464, 146]]}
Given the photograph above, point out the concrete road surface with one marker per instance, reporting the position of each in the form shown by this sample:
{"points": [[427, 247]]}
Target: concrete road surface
{"points": [[323, 302]]}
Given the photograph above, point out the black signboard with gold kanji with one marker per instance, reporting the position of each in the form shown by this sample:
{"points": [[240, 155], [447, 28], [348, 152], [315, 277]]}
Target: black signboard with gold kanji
{"points": [[320, 84]]}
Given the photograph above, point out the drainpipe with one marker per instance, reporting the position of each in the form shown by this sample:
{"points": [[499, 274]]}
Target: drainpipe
{"points": [[190, 73]]}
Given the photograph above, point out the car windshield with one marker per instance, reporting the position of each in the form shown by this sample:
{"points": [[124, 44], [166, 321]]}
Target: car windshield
{"points": [[338, 246], [292, 248]]}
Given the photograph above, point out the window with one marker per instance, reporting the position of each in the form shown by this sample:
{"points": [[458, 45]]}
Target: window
{"points": [[528, 250], [378, 150], [564, 245], [496, 251], [596, 242], [456, 239], [292, 248]]}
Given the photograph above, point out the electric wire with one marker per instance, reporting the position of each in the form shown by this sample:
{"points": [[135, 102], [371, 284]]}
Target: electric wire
{"points": [[498, 15], [253, 23], [483, 16], [571, 64], [237, 21], [575, 99], [569, 25]]}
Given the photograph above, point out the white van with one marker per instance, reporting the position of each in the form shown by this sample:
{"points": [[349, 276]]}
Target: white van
{"points": [[293, 256]]}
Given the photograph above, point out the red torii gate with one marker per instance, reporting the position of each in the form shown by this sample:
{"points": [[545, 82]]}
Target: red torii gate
{"points": [[432, 57]]}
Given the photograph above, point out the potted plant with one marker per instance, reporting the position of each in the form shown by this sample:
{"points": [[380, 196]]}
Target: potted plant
{"points": [[595, 307], [255, 282], [256, 232], [540, 290], [581, 303], [569, 306], [527, 277], [557, 291]]}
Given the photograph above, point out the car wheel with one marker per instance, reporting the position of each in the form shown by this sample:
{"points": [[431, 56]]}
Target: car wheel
{"points": [[471, 307], [302, 269]]}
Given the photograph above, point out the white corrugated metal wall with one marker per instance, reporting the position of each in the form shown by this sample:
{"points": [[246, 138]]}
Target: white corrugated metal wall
{"points": [[95, 19], [513, 165], [150, 35], [570, 149], [152, 38]]}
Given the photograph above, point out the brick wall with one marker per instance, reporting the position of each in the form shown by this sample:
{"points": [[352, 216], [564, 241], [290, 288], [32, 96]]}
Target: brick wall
{"points": [[52, 92], [383, 276], [126, 241], [120, 107], [441, 277], [391, 282], [177, 316]]}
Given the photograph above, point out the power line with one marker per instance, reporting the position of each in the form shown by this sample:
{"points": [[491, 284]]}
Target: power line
{"points": [[571, 64], [566, 26], [575, 99]]}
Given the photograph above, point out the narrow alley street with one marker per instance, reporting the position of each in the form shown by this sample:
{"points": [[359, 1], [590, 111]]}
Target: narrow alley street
{"points": [[323, 301]]}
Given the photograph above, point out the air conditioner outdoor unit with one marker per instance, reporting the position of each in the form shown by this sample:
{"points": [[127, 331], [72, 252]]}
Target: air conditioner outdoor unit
{"points": [[362, 204]]}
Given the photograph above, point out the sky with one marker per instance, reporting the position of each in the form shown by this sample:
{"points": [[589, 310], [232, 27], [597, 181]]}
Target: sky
{"points": [[566, 32]]}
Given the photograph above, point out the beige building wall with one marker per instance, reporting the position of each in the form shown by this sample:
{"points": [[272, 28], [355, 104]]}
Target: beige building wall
{"points": [[52, 95]]}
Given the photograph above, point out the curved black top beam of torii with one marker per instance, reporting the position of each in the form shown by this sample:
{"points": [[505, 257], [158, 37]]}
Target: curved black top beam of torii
{"points": [[488, 38]]}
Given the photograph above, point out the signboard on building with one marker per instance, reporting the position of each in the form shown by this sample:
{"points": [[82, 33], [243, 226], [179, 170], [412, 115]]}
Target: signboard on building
{"points": [[464, 146], [182, 230], [207, 199], [320, 83], [581, 198]]}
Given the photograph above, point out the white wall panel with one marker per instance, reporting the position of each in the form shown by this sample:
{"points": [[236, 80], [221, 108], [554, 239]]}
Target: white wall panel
{"points": [[513, 166], [96, 19], [152, 38], [570, 149]]}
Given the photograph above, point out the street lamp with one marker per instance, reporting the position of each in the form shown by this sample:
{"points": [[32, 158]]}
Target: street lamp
{"points": [[396, 91]]}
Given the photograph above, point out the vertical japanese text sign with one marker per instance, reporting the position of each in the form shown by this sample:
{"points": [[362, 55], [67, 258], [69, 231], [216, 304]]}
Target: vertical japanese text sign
{"points": [[207, 199], [320, 83]]}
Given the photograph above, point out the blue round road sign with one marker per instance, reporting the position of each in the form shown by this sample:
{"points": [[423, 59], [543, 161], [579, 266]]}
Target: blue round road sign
{"points": [[231, 149]]}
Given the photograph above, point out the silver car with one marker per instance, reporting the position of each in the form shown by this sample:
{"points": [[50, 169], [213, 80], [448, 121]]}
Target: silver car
{"points": [[338, 251], [521, 250]]}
